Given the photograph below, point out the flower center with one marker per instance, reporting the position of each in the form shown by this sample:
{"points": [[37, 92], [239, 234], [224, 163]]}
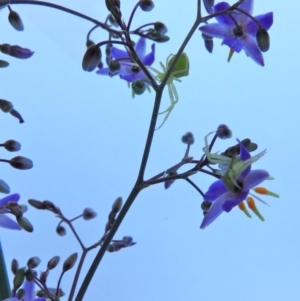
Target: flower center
{"points": [[135, 69], [239, 188], [238, 32]]}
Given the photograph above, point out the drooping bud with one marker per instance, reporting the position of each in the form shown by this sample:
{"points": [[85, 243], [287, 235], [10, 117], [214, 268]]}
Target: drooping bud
{"points": [[208, 42], [117, 205], [242, 207], [156, 36], [16, 114], [21, 163], [208, 4], [16, 51], [19, 278], [205, 205], [20, 294], [33, 262], [112, 20], [263, 39], [262, 190], [188, 138], [224, 132], [6, 106], [146, 5], [70, 262], [91, 58], [14, 266], [4, 188], [53, 262], [44, 276], [60, 230], [89, 43], [114, 7], [138, 87], [15, 20], [112, 3], [160, 27], [12, 145], [37, 204], [114, 67], [88, 214], [3, 64], [25, 224], [127, 240]]}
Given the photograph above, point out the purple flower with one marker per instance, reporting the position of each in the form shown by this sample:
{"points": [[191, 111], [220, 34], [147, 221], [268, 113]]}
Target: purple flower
{"points": [[128, 70], [223, 199], [237, 30], [5, 221]]}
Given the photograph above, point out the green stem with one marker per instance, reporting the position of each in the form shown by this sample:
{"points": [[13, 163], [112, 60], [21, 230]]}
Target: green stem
{"points": [[5, 291]]}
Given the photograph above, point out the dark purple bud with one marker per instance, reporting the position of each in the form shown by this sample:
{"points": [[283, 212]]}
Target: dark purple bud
{"points": [[160, 27], [33, 262], [6, 106], [146, 5], [112, 3], [208, 42], [224, 132], [157, 37], [91, 58], [127, 241], [20, 294], [37, 204], [16, 51], [60, 230], [88, 214], [25, 224], [89, 43], [205, 205], [15, 210], [112, 20], [263, 39], [188, 138], [4, 3], [69, 262], [15, 20], [117, 205], [138, 87], [18, 279], [44, 276], [114, 67], [16, 114], [4, 188], [208, 4], [12, 145], [14, 266], [21, 163], [3, 64], [53, 262]]}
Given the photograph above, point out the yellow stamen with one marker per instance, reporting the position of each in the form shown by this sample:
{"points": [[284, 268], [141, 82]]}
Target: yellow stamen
{"points": [[262, 190], [252, 206], [244, 209]]}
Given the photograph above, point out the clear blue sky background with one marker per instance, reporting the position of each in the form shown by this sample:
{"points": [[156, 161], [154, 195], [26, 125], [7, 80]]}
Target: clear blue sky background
{"points": [[86, 136]]}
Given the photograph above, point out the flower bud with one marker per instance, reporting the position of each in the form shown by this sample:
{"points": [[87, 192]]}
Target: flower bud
{"points": [[60, 230], [146, 5], [4, 188], [69, 262], [89, 43], [20, 162], [91, 58], [3, 64], [157, 37], [263, 39], [127, 240], [12, 145], [6, 106], [16, 51], [111, 3], [15, 20], [37, 204], [16, 114], [138, 87], [224, 132], [25, 224], [188, 138], [44, 276], [18, 279], [20, 294], [14, 266], [53, 262], [114, 67], [208, 42], [33, 262], [15, 210], [160, 27], [205, 205], [208, 4], [89, 213], [112, 20], [117, 205]]}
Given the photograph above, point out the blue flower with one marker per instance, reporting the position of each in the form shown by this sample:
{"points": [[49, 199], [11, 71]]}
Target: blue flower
{"points": [[5, 221], [223, 199], [128, 70], [237, 30]]}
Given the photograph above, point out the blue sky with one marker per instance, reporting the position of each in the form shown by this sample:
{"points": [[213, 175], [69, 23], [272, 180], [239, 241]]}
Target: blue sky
{"points": [[86, 136]]}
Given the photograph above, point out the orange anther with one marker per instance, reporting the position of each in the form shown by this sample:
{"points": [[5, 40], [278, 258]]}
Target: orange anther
{"points": [[242, 206], [261, 190], [251, 203]]}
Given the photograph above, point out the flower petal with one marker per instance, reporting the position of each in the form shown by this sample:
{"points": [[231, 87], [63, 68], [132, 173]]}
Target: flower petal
{"points": [[217, 30], [251, 48], [224, 19], [118, 53], [234, 44], [247, 6], [254, 178], [216, 189], [266, 20], [8, 223], [103, 71], [140, 48], [28, 287], [10, 198], [150, 57], [235, 200]]}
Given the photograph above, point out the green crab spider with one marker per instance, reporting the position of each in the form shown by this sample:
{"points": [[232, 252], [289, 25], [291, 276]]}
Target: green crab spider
{"points": [[235, 165], [181, 69]]}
